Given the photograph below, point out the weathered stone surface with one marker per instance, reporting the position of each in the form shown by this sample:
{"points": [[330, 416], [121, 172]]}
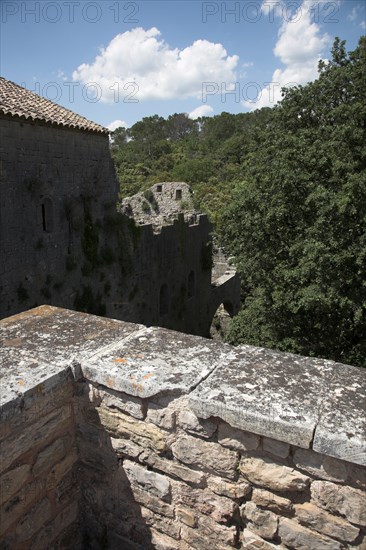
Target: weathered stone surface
{"points": [[219, 533], [199, 541], [121, 425], [274, 447], [219, 508], [14, 447], [12, 481], [161, 416], [35, 403], [225, 488], [59, 470], [320, 465], [237, 439], [294, 535], [357, 476], [126, 403], [163, 542], [339, 499], [172, 468], [266, 472], [59, 336], [153, 503], [165, 525], [190, 423], [325, 523], [143, 365], [14, 509], [91, 466], [33, 521], [265, 392], [252, 541], [266, 499], [125, 447], [209, 457], [21, 381], [52, 530], [186, 516], [50, 455], [341, 430], [153, 483], [263, 522]]}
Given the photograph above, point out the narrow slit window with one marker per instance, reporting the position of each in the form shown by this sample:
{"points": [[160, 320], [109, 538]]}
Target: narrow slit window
{"points": [[47, 215]]}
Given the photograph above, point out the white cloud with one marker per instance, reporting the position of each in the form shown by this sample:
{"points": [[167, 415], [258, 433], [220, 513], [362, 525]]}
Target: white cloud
{"points": [[353, 15], [61, 75], [299, 47], [117, 124], [363, 25], [141, 65], [202, 110]]}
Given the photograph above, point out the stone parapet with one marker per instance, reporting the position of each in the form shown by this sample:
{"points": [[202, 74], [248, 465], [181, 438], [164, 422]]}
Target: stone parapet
{"points": [[115, 435]]}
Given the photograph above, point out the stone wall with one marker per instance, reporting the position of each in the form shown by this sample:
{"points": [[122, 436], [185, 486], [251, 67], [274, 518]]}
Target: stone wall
{"points": [[160, 204], [39, 493], [176, 442], [62, 241]]}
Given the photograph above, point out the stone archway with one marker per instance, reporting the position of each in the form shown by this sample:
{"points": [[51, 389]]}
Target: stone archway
{"points": [[221, 321]]}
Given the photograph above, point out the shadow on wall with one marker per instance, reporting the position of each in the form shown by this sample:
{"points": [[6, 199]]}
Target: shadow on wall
{"points": [[110, 517]]}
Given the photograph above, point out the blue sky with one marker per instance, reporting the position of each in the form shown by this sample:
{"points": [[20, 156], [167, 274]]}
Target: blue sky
{"points": [[116, 62]]}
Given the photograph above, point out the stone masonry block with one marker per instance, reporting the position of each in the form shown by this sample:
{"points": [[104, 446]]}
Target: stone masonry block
{"points": [[206, 456], [273, 475]]}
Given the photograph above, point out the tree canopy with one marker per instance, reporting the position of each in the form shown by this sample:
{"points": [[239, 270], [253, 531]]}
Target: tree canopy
{"points": [[297, 225], [286, 188]]}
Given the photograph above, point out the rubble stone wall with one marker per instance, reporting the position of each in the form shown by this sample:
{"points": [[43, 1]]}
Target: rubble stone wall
{"points": [[116, 435], [39, 493], [205, 484]]}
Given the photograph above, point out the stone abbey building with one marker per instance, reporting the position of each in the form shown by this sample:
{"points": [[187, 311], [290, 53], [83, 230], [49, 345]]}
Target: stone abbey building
{"points": [[63, 242]]}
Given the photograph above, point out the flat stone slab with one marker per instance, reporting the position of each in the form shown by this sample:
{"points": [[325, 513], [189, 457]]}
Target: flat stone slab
{"points": [[156, 362], [307, 402], [38, 347], [278, 395], [341, 430], [56, 335]]}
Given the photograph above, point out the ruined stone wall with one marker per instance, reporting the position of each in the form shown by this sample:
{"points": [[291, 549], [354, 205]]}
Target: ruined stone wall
{"points": [[52, 179], [181, 442], [160, 204], [62, 241]]}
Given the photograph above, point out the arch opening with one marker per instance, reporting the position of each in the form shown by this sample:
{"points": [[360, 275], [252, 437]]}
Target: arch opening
{"points": [[221, 321]]}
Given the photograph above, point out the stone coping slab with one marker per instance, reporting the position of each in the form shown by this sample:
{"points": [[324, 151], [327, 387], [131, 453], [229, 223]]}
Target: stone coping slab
{"points": [[341, 430], [307, 402], [289, 398], [59, 335], [38, 347], [156, 362]]}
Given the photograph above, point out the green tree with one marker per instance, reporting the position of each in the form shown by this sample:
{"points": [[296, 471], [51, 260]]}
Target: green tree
{"points": [[297, 225]]}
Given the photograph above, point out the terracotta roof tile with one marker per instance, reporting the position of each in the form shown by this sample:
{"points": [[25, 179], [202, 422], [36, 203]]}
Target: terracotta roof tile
{"points": [[17, 101]]}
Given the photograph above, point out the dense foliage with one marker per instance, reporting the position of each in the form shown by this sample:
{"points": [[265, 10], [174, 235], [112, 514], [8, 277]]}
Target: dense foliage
{"points": [[287, 190]]}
